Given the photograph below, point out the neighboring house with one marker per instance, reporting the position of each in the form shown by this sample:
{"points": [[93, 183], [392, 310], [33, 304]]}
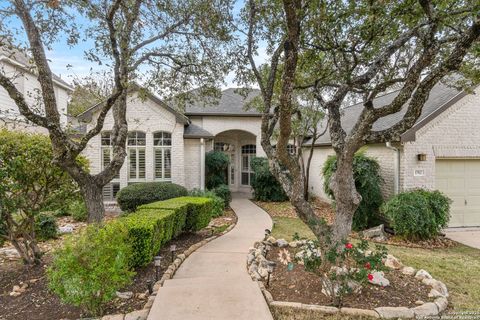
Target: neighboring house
{"points": [[17, 65], [441, 151]]}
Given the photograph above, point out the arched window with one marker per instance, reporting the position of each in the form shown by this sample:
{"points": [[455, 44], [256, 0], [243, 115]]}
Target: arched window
{"points": [[162, 155], [248, 152], [109, 190], [136, 141]]}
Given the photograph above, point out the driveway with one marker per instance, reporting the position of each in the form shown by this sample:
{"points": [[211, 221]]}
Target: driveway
{"points": [[468, 236]]}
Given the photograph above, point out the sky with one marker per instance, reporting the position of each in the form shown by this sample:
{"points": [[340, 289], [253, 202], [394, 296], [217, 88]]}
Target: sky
{"points": [[69, 62]]}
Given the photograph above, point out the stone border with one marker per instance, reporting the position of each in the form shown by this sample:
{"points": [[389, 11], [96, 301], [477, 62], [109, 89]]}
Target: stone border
{"points": [[168, 274], [439, 290]]}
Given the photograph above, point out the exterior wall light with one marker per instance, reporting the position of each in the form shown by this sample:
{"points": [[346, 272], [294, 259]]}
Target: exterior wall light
{"points": [[422, 157]]}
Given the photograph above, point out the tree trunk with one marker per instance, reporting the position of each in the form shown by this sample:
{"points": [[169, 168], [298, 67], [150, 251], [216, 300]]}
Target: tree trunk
{"points": [[93, 195], [347, 199]]}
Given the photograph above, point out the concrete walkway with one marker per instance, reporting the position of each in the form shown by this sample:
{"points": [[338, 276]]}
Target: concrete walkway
{"points": [[213, 283], [468, 236]]}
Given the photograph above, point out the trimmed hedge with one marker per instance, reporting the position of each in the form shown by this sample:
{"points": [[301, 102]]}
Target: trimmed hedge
{"points": [[149, 229], [216, 164], [199, 210], [218, 203], [418, 214], [95, 264], [132, 196]]}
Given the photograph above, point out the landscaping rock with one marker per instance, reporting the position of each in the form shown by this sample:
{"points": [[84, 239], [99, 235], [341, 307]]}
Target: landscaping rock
{"points": [[360, 312], [10, 253], [395, 312], [393, 263], [422, 274], [149, 303], [250, 258], [322, 309], [263, 272], [124, 295], [379, 279], [442, 304], [137, 315], [282, 243], [119, 316], [68, 228], [428, 309], [437, 286], [272, 240], [376, 233], [409, 271], [419, 302], [434, 294]]}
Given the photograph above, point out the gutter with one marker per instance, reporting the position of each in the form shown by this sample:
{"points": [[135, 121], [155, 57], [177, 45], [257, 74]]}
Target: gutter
{"points": [[396, 170]]}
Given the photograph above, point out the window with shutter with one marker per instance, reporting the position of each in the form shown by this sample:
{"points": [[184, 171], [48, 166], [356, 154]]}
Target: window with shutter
{"points": [[162, 144]]}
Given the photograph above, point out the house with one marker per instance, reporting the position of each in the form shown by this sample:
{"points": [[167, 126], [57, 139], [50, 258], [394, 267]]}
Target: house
{"points": [[441, 151], [19, 67]]}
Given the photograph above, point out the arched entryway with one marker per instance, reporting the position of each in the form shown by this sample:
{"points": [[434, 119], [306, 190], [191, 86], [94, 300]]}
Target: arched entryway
{"points": [[241, 147]]}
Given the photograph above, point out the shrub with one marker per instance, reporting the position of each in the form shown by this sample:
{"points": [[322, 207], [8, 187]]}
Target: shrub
{"points": [[132, 196], [367, 177], [91, 267], [265, 185], [78, 210], [218, 204], [29, 183], [149, 229], [3, 233], [45, 226], [216, 164], [199, 210], [224, 192], [418, 214]]}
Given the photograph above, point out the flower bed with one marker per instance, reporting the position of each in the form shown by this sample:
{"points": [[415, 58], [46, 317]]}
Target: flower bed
{"points": [[409, 293]]}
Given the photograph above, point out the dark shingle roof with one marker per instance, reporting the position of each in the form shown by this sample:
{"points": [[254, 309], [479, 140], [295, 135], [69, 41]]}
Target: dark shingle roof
{"points": [[439, 97], [192, 131], [231, 103], [23, 59]]}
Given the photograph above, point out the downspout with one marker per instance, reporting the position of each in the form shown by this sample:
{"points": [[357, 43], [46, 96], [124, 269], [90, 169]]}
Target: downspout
{"points": [[396, 164], [202, 164]]}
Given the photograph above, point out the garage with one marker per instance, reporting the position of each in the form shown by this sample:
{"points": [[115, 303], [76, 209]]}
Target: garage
{"points": [[459, 179]]}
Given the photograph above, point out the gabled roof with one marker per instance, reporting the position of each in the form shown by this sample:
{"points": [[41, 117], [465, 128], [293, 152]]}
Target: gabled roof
{"points": [[231, 103], [21, 59], [181, 118], [441, 97], [192, 131]]}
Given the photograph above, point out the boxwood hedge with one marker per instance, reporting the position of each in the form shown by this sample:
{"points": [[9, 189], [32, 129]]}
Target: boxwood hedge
{"points": [[132, 196], [199, 210]]}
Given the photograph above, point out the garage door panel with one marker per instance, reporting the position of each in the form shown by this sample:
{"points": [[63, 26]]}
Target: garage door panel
{"points": [[460, 181]]}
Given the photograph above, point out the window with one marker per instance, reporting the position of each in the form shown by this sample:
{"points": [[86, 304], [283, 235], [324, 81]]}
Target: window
{"points": [[110, 191], [162, 153], [248, 152], [136, 155], [107, 150], [222, 147]]}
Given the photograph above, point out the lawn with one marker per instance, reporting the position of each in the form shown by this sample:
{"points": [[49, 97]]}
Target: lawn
{"points": [[458, 267]]}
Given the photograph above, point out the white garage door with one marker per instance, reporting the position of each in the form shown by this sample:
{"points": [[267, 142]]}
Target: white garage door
{"points": [[460, 180]]}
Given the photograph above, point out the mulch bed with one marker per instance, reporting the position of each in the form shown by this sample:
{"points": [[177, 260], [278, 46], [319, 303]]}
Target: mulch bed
{"points": [[438, 243], [285, 209], [305, 287], [38, 303]]}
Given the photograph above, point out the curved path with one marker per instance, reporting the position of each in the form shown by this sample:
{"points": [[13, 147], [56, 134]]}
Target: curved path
{"points": [[213, 283]]}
